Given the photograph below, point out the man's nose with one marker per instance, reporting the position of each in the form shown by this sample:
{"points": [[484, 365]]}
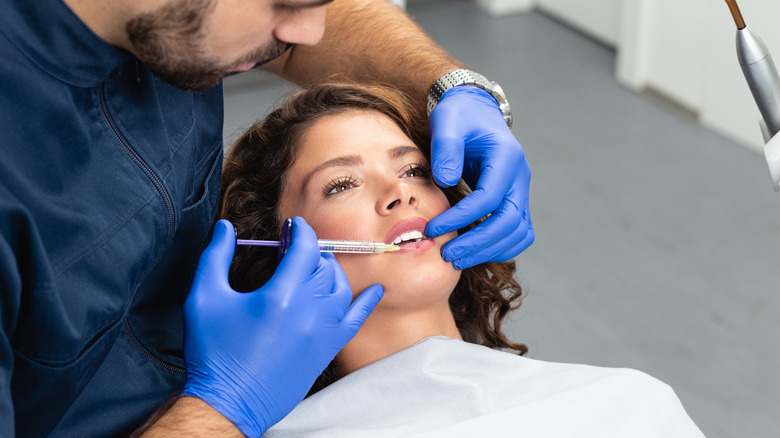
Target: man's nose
{"points": [[305, 26]]}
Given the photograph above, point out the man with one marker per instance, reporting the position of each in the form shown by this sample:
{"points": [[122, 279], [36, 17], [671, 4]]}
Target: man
{"points": [[109, 179]]}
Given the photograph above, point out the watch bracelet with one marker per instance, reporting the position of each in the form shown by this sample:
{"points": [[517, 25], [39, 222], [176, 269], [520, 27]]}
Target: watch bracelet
{"points": [[453, 79], [460, 77]]}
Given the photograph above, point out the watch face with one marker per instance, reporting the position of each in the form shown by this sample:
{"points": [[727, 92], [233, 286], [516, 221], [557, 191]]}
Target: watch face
{"points": [[503, 103], [497, 90]]}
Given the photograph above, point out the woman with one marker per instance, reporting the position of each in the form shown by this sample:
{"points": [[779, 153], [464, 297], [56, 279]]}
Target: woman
{"points": [[349, 159]]}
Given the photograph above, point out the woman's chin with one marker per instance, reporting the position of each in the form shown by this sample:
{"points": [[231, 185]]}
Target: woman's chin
{"points": [[419, 291], [409, 279]]}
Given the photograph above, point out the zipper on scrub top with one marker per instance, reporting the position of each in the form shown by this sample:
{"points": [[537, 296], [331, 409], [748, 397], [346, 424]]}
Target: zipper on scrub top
{"points": [[156, 181]]}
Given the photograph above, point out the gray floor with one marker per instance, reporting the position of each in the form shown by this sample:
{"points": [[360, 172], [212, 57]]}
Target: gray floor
{"points": [[657, 240]]}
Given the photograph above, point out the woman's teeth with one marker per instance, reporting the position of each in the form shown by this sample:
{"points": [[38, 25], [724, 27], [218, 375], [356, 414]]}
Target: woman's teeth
{"points": [[410, 237]]}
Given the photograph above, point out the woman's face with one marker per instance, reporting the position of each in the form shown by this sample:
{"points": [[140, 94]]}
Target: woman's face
{"points": [[357, 176]]}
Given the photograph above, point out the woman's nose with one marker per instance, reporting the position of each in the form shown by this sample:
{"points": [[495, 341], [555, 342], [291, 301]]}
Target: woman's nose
{"points": [[305, 26], [397, 196]]}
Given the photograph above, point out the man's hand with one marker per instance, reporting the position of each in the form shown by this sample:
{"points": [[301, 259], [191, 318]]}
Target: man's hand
{"points": [[470, 139], [253, 356]]}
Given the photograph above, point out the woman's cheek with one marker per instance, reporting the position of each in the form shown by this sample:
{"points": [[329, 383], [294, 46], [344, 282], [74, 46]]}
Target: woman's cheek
{"points": [[359, 271]]}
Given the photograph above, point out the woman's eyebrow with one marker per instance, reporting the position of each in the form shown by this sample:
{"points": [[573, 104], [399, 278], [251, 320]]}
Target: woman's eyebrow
{"points": [[345, 161], [401, 151], [305, 5]]}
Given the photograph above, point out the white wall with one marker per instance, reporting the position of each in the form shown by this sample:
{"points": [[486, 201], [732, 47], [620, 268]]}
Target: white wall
{"points": [[672, 56], [503, 7], [598, 18]]}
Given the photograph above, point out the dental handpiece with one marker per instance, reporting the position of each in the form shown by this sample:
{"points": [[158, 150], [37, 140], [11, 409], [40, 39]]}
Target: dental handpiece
{"points": [[759, 71], [326, 245]]}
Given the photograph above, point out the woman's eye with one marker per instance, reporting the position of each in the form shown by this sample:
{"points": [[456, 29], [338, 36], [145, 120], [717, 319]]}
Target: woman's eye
{"points": [[337, 186], [340, 188], [416, 171]]}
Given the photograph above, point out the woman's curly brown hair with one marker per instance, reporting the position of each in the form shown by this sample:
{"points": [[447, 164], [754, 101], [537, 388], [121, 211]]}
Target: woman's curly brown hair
{"points": [[255, 171]]}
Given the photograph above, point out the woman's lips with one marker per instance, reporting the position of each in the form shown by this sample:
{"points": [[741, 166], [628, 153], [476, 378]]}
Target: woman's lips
{"points": [[416, 246], [406, 226]]}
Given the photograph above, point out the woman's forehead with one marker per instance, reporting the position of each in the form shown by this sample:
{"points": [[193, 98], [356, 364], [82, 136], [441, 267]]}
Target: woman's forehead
{"points": [[359, 133]]}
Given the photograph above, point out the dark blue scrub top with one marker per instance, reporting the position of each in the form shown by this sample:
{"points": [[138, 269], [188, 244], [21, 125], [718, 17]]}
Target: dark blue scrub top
{"points": [[109, 179]]}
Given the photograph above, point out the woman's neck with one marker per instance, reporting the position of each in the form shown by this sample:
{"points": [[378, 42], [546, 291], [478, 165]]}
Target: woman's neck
{"points": [[389, 331]]}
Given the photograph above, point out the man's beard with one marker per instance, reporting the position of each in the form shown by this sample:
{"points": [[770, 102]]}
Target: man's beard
{"points": [[170, 41]]}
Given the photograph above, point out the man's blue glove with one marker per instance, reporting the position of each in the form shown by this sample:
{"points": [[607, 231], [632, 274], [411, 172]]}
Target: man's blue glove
{"points": [[469, 138], [253, 356]]}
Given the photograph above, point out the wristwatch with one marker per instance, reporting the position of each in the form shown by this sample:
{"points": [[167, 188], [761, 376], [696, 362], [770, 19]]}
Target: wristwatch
{"points": [[456, 78]]}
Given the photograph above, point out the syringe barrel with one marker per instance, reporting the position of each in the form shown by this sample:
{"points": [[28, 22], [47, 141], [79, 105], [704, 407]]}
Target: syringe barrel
{"points": [[345, 246], [339, 246], [761, 76]]}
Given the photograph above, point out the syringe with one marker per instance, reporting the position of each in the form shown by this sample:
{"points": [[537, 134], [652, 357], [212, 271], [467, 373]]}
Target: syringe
{"points": [[326, 245]]}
